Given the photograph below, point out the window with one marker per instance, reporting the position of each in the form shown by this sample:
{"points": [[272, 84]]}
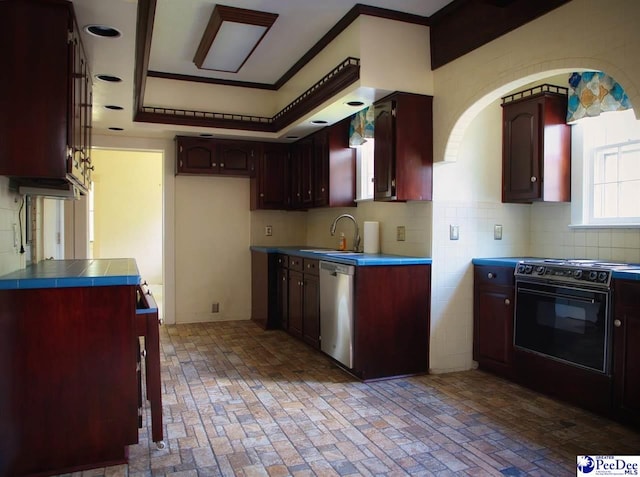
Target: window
{"points": [[606, 153], [364, 170], [615, 188]]}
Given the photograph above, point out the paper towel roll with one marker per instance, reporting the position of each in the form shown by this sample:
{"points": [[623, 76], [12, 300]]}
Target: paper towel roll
{"points": [[371, 237]]}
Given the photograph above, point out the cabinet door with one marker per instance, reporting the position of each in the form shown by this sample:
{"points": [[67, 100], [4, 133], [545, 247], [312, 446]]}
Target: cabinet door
{"points": [[302, 174], [283, 297], [321, 168], [75, 129], [626, 336], [495, 331], [521, 154], [237, 158], [295, 303], [493, 318], [269, 188], [197, 156], [384, 151], [311, 310]]}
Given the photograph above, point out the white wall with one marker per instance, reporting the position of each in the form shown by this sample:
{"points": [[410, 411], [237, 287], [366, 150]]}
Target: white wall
{"points": [[467, 127], [10, 258], [128, 208], [213, 260]]}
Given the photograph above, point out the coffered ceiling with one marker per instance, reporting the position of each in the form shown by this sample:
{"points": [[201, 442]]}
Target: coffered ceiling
{"points": [[177, 29]]}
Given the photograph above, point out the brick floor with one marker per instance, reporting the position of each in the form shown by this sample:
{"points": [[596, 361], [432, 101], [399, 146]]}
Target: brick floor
{"points": [[242, 401]]}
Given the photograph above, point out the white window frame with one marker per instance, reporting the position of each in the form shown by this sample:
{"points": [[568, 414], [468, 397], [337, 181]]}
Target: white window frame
{"points": [[586, 142], [590, 186], [364, 171]]}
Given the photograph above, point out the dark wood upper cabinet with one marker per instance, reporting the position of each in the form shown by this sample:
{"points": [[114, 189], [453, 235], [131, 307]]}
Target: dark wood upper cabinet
{"points": [[45, 130], [334, 167], [321, 168], [403, 148], [237, 158], [270, 184], [198, 155], [536, 157], [302, 174]]}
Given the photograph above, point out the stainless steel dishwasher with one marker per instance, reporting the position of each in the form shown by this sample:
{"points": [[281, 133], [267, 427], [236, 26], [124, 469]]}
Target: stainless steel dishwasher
{"points": [[336, 311]]}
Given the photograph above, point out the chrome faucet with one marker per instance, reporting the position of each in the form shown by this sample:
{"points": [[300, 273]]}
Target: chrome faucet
{"points": [[356, 237]]}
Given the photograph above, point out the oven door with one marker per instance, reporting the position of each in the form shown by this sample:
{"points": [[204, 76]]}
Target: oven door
{"points": [[564, 323]]}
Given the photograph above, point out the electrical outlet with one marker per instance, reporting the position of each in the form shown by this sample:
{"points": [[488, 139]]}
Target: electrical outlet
{"points": [[400, 233], [497, 232], [268, 230], [454, 232], [215, 307]]}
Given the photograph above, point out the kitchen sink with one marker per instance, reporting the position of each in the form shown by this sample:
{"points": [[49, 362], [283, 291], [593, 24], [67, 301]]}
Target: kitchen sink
{"points": [[330, 252]]}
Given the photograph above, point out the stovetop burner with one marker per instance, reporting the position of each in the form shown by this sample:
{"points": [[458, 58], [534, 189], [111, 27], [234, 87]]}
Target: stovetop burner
{"points": [[577, 271]]}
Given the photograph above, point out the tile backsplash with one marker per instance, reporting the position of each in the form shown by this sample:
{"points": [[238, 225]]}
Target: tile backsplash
{"points": [[552, 237]]}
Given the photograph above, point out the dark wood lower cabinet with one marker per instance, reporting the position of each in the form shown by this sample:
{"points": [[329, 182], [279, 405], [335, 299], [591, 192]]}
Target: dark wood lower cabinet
{"points": [[616, 395], [626, 351], [493, 308], [392, 320], [391, 310], [311, 303], [296, 304], [68, 380]]}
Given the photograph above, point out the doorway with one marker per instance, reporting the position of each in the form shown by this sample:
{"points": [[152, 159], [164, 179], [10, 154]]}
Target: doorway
{"points": [[126, 212]]}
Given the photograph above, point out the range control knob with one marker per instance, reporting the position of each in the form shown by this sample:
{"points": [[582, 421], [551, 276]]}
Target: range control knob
{"points": [[528, 268], [540, 270], [521, 268], [602, 276], [577, 274], [593, 276]]}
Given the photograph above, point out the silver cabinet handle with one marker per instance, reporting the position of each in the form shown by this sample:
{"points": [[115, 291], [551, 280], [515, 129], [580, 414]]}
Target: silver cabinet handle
{"points": [[617, 323], [507, 301], [213, 164], [534, 178], [491, 275]]}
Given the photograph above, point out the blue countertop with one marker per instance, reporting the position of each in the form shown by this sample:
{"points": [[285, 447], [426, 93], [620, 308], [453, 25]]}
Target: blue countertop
{"points": [[629, 274], [347, 258], [73, 273]]}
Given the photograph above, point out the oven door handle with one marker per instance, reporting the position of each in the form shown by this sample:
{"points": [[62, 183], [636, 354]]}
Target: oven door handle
{"points": [[556, 295]]}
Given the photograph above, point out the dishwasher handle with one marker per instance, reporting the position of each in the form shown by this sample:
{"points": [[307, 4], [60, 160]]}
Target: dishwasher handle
{"points": [[334, 269]]}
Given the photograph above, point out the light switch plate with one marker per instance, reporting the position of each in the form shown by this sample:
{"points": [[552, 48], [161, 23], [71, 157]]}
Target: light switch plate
{"points": [[454, 232], [268, 230], [497, 232]]}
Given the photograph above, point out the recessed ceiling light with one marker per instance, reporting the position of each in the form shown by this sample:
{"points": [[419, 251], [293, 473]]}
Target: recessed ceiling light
{"points": [[114, 107], [108, 78], [116, 129], [206, 135], [355, 103], [292, 137], [319, 121], [102, 31]]}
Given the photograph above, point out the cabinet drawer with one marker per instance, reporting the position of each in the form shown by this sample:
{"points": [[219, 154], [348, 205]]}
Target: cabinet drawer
{"points": [[295, 263], [282, 260], [311, 266], [485, 275]]}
